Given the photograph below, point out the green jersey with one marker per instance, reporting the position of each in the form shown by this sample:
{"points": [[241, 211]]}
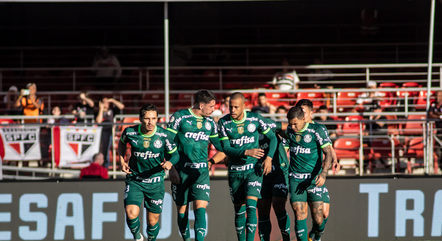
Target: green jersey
{"points": [[192, 135], [148, 151], [239, 136], [279, 160], [306, 149]]}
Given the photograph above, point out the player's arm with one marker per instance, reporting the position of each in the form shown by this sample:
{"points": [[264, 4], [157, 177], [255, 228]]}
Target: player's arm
{"points": [[217, 158], [320, 179], [335, 164], [174, 125], [122, 152], [171, 155], [214, 137]]}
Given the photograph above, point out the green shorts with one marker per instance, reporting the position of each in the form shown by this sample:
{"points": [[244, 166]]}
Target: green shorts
{"points": [[195, 185], [150, 190], [325, 194], [303, 188], [275, 184], [245, 183]]}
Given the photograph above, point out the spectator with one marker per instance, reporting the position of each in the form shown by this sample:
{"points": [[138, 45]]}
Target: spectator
{"points": [[95, 169], [324, 118], [281, 111], [9, 101], [376, 126], [57, 117], [367, 101], [108, 68], [105, 116], [287, 79], [320, 74], [224, 107], [263, 105], [29, 102], [435, 112], [85, 107]]}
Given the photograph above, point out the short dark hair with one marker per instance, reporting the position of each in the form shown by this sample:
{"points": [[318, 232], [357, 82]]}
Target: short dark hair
{"points": [[203, 96], [147, 107], [261, 94], [305, 102], [295, 112], [323, 107], [237, 95], [281, 107]]}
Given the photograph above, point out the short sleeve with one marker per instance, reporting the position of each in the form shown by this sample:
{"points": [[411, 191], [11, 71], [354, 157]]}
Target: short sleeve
{"points": [[222, 131], [170, 146], [214, 129], [123, 137], [174, 123], [322, 137], [262, 125]]}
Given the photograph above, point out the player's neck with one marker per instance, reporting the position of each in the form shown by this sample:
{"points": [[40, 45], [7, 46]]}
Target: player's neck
{"points": [[196, 112], [240, 117], [144, 131]]}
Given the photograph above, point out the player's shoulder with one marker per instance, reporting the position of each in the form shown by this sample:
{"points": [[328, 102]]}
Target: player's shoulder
{"points": [[225, 119], [162, 132], [131, 130]]}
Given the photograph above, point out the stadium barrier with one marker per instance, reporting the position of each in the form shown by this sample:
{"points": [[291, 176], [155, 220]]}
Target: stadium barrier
{"points": [[382, 208]]}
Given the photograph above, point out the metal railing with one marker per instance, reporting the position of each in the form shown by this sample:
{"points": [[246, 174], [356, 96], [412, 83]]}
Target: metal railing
{"points": [[397, 151]]}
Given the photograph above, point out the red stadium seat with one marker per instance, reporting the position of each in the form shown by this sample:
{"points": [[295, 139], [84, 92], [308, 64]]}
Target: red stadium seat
{"points": [[388, 98], [413, 127], [412, 95], [316, 97], [278, 99], [346, 100], [352, 127], [421, 103], [347, 148], [415, 154], [381, 148]]}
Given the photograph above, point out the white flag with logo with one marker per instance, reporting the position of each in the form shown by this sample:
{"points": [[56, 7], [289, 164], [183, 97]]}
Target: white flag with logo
{"points": [[20, 143], [75, 146]]}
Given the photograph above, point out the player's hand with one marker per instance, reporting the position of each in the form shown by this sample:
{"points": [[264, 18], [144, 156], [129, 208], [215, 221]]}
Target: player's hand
{"points": [[174, 176], [320, 179], [125, 167], [167, 165], [336, 167], [267, 165], [256, 153]]}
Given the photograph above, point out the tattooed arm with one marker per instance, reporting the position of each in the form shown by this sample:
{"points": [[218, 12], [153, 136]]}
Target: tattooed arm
{"points": [[320, 179]]}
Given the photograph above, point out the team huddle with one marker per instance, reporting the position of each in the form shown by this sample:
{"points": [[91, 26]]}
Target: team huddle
{"points": [[260, 174]]}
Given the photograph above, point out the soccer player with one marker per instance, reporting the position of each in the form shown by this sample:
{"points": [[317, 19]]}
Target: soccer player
{"points": [[274, 188], [150, 145], [193, 129], [317, 230], [239, 135], [308, 170]]}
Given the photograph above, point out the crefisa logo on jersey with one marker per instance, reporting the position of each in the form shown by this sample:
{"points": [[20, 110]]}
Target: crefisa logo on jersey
{"points": [[251, 128], [208, 126], [158, 144], [307, 138]]}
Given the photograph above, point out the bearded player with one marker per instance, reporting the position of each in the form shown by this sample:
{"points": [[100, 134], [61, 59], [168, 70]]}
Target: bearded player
{"points": [[308, 169], [193, 130], [239, 134], [317, 230]]}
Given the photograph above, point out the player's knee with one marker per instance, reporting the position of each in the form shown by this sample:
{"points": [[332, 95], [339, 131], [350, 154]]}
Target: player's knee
{"points": [[132, 211], [153, 219], [200, 204]]}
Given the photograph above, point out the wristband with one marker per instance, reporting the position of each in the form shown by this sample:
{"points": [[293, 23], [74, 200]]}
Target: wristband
{"points": [[211, 161]]}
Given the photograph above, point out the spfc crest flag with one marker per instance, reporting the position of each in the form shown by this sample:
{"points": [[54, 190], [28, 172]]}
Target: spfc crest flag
{"points": [[20, 143], [75, 146]]}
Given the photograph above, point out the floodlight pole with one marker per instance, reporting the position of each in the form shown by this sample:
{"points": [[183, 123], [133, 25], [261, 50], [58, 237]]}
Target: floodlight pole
{"points": [[166, 61], [428, 145]]}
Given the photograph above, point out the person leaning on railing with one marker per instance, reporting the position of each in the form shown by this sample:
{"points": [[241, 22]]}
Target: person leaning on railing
{"points": [[29, 102]]}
